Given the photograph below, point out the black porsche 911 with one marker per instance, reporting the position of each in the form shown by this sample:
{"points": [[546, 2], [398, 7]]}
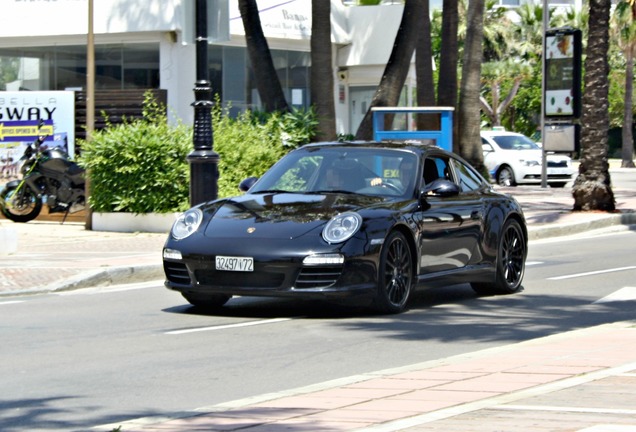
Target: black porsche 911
{"points": [[359, 222]]}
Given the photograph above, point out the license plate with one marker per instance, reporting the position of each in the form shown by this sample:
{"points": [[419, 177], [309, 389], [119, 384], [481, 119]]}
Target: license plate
{"points": [[229, 263], [558, 171]]}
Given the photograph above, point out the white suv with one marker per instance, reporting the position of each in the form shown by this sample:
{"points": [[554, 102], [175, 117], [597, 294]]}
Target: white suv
{"points": [[513, 158]]}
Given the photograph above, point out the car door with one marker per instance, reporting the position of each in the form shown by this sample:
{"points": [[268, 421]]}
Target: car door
{"points": [[449, 226]]}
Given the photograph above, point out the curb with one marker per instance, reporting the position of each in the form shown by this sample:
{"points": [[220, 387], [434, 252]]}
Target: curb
{"points": [[565, 229], [99, 278]]}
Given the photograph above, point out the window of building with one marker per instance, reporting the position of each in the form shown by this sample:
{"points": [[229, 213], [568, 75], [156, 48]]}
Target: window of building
{"points": [[117, 66]]}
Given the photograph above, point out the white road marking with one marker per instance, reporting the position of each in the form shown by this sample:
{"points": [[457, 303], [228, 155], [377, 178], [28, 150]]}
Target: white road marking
{"points": [[227, 326], [11, 302], [572, 276], [623, 294]]}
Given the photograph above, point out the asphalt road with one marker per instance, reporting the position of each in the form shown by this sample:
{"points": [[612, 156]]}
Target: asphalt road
{"points": [[99, 356]]}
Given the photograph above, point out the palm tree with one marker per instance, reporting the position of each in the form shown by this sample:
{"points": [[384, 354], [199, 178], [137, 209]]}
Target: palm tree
{"points": [[624, 33], [497, 32], [424, 70], [592, 187], [397, 67], [266, 78], [494, 74], [469, 117], [449, 52], [322, 70]]}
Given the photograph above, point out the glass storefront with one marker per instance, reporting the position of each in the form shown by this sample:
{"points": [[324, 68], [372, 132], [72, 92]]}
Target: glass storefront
{"points": [[130, 66], [117, 66]]}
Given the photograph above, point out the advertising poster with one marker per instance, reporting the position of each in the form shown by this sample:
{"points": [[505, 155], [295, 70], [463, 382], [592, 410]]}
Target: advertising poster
{"points": [[562, 74], [22, 113]]}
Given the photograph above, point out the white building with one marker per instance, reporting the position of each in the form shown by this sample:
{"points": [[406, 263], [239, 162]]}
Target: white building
{"points": [[147, 44]]}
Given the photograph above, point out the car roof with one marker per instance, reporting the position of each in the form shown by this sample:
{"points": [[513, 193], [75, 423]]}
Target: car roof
{"points": [[499, 133], [416, 146]]}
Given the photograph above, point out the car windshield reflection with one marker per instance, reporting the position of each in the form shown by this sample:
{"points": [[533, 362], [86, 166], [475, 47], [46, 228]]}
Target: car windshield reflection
{"points": [[365, 171]]}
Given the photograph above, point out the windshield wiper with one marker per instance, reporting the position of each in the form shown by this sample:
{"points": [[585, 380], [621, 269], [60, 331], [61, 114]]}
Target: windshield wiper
{"points": [[340, 191], [271, 191]]}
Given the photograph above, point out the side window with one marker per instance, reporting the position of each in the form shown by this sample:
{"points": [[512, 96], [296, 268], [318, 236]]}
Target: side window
{"points": [[436, 168], [469, 180]]}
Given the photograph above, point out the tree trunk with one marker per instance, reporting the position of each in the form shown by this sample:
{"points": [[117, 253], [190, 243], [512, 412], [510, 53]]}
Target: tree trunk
{"points": [[592, 187], [447, 84], [424, 71], [322, 81], [627, 150], [265, 76], [469, 120], [397, 68]]}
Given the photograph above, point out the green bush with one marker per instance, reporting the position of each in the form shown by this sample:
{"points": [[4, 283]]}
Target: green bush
{"points": [[139, 166], [252, 142]]}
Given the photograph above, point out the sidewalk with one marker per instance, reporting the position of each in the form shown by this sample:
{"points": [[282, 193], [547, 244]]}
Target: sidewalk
{"points": [[584, 380]]}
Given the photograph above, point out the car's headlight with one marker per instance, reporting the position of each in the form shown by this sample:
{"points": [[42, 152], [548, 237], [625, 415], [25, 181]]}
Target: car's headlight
{"points": [[530, 162], [341, 227], [187, 223]]}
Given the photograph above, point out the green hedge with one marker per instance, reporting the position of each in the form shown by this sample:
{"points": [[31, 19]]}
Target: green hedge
{"points": [[141, 167]]}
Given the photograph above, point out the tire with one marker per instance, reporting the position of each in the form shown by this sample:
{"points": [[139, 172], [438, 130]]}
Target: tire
{"points": [[558, 185], [395, 276], [206, 301], [511, 262], [23, 210], [506, 177]]}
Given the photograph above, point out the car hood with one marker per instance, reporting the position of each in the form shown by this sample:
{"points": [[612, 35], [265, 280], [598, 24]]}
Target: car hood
{"points": [[280, 215]]}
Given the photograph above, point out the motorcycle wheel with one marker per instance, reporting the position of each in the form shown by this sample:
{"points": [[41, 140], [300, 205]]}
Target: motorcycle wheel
{"points": [[20, 209]]}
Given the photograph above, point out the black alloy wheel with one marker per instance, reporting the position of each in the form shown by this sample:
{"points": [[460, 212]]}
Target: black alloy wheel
{"points": [[395, 280], [206, 301], [511, 262]]}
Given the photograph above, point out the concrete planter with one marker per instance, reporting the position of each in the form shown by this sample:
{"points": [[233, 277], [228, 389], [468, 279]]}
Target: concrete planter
{"points": [[131, 222]]}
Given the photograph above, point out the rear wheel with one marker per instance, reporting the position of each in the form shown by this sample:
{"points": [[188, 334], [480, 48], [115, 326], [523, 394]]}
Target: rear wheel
{"points": [[206, 301], [396, 275], [511, 262], [506, 177], [20, 206]]}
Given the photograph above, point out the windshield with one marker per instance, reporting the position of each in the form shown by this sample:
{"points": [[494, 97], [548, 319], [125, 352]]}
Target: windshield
{"points": [[515, 142], [366, 171]]}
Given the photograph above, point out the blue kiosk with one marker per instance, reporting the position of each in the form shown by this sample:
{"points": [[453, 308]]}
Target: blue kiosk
{"points": [[443, 137]]}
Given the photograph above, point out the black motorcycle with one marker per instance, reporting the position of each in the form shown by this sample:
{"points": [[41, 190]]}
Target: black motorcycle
{"points": [[48, 176]]}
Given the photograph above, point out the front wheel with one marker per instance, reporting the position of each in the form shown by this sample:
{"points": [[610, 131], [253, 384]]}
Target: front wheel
{"points": [[511, 262], [395, 279], [206, 301], [506, 177], [20, 206]]}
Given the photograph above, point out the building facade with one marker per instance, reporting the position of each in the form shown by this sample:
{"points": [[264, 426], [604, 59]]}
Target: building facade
{"points": [[147, 44]]}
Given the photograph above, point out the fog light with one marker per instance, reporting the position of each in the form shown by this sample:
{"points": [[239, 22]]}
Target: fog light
{"points": [[172, 254], [325, 259]]}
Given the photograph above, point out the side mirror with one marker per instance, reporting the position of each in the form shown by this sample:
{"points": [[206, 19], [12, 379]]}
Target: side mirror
{"points": [[440, 188], [246, 184]]}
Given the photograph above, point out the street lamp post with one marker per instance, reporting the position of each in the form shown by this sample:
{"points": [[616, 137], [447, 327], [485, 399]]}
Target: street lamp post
{"points": [[203, 160]]}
